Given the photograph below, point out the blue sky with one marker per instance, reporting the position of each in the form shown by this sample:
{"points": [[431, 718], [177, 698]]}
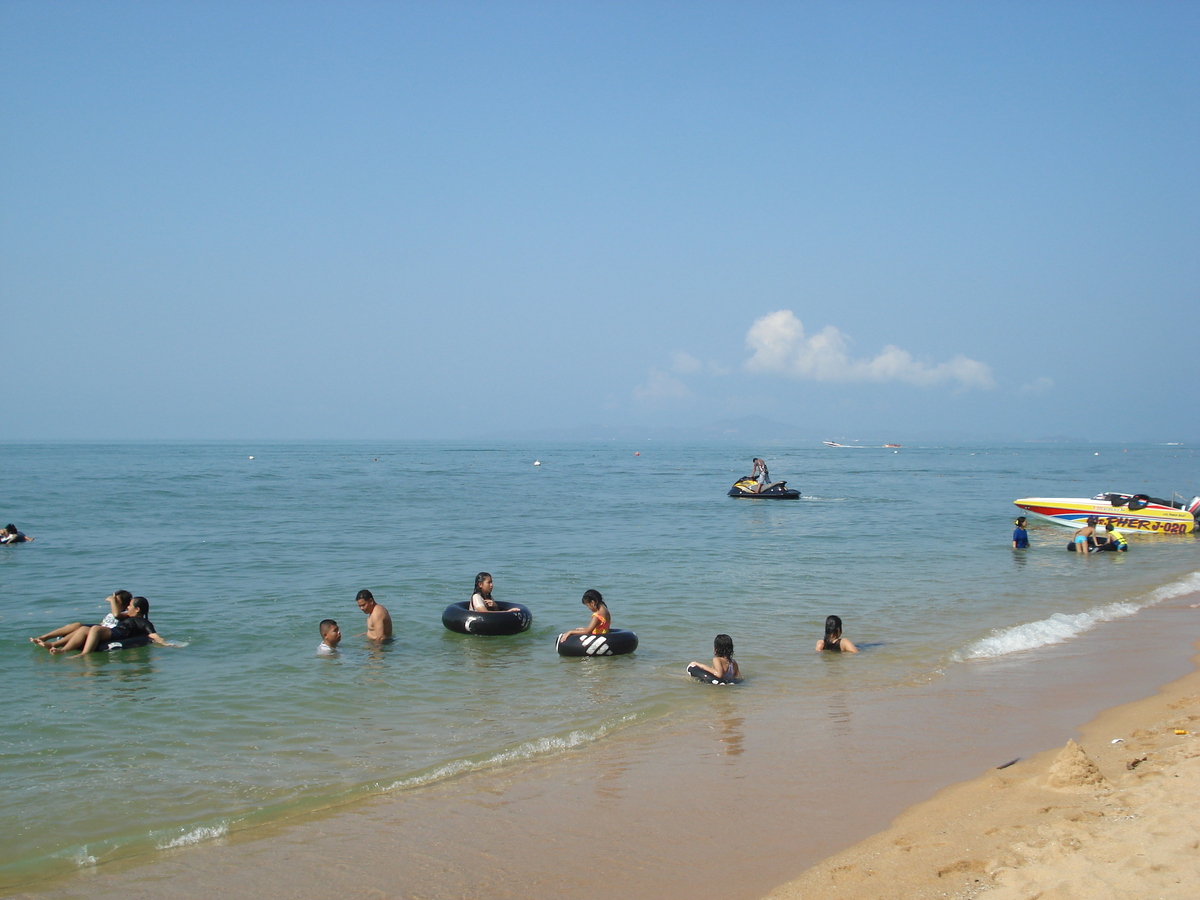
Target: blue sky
{"points": [[385, 220]]}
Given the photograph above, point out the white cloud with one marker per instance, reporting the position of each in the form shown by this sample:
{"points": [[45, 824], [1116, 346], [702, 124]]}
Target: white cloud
{"points": [[685, 363], [661, 388], [780, 346], [1038, 386]]}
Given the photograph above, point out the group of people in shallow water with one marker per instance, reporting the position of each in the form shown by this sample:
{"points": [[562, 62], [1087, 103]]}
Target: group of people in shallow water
{"points": [[127, 618], [1085, 540], [724, 666]]}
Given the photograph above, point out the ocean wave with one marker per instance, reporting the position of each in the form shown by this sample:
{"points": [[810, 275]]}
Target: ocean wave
{"points": [[1061, 627], [544, 746], [196, 836]]}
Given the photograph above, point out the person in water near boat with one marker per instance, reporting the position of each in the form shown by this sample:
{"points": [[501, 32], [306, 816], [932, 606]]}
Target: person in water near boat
{"points": [[379, 622], [601, 622], [331, 636], [1111, 539], [1020, 535], [98, 637], [724, 666], [1085, 540], [833, 639], [10, 535], [118, 602], [481, 598]]}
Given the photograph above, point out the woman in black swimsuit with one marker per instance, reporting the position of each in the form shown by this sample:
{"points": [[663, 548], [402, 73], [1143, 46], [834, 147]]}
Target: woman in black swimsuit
{"points": [[833, 639]]}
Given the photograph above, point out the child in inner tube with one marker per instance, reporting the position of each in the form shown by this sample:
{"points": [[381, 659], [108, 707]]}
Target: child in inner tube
{"points": [[833, 639], [724, 667], [481, 600], [601, 621]]}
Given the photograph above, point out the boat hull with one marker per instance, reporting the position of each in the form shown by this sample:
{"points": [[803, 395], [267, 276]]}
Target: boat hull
{"points": [[1073, 512]]}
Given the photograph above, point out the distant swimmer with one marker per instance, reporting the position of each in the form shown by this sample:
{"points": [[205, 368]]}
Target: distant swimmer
{"points": [[331, 636], [833, 639], [724, 667], [379, 622], [601, 622], [1020, 535], [118, 602], [10, 535]]}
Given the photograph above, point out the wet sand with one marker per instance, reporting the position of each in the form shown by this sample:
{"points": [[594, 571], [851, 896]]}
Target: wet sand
{"points": [[735, 802], [1112, 817]]}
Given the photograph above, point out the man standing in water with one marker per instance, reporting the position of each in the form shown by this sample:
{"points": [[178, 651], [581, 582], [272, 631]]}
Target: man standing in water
{"points": [[379, 623]]}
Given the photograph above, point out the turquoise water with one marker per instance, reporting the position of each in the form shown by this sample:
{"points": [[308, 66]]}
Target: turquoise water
{"points": [[114, 754]]}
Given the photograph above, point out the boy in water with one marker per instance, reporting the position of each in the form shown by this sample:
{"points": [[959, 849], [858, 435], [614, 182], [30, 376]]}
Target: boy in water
{"points": [[379, 623], [331, 635]]}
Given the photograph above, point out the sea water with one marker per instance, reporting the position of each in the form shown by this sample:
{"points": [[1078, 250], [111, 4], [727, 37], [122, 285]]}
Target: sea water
{"points": [[243, 549]]}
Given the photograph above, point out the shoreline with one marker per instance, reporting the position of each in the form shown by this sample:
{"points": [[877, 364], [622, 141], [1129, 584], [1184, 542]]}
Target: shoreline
{"points": [[1108, 815], [740, 800]]}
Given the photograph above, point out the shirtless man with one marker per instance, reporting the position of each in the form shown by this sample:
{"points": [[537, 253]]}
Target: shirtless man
{"points": [[379, 623]]}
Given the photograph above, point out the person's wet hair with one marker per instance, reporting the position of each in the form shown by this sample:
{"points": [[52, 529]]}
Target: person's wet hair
{"points": [[326, 626], [833, 628], [480, 579], [723, 646], [364, 594], [123, 596], [142, 605], [593, 595]]}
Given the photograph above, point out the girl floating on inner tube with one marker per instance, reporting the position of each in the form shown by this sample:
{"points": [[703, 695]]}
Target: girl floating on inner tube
{"points": [[481, 600], [833, 639], [601, 618], [724, 666]]}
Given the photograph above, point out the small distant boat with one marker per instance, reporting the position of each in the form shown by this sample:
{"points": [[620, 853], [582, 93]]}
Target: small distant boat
{"points": [[843, 446], [892, 446], [1126, 512]]}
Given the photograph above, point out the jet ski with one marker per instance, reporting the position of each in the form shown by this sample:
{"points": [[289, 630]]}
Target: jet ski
{"points": [[775, 490]]}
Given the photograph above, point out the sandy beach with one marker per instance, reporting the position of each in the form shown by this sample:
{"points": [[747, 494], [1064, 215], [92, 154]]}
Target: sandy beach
{"points": [[1113, 815]]}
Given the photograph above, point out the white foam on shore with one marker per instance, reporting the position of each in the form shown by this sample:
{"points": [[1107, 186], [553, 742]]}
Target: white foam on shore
{"points": [[545, 746], [196, 836], [83, 859], [1061, 627]]}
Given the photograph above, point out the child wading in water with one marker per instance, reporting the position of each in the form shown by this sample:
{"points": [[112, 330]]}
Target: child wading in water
{"points": [[601, 621], [724, 666], [833, 639], [1020, 535]]}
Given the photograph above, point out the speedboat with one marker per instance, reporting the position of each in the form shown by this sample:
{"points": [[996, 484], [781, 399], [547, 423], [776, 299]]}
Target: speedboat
{"points": [[1127, 512], [776, 490]]}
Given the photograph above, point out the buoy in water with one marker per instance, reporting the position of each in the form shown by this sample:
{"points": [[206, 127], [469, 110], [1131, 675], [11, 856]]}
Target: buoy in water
{"points": [[252, 457], [537, 462]]}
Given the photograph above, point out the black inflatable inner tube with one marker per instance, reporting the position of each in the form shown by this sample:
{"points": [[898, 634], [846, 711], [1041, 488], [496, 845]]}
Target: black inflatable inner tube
{"points": [[138, 640], [708, 677], [511, 618], [615, 643]]}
